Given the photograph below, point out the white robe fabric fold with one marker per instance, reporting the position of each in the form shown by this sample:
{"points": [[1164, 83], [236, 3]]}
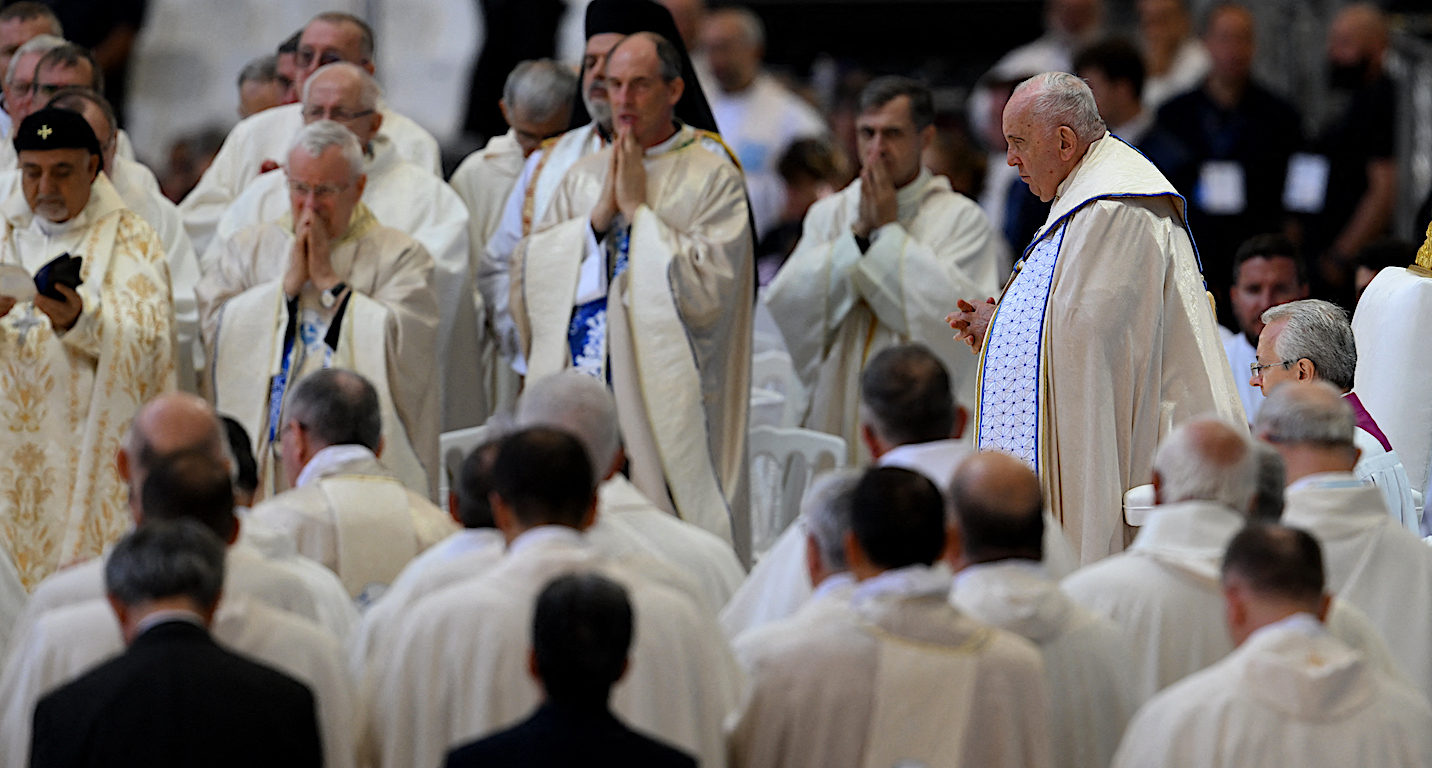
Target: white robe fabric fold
{"points": [[838, 307], [1290, 695], [1393, 359], [1103, 342]]}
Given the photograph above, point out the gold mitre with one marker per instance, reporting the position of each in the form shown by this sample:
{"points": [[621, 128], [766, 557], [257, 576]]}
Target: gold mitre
{"points": [[1423, 266]]}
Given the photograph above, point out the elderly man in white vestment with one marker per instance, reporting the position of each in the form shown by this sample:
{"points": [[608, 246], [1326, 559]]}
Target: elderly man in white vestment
{"points": [[996, 545], [537, 105], [1163, 591], [581, 406], [1291, 694], [908, 419], [878, 261], [82, 356], [326, 285], [1311, 340], [642, 276], [1104, 340], [1390, 325], [403, 195], [68, 641], [1373, 562], [260, 142], [457, 669], [898, 675], [44, 65], [345, 509]]}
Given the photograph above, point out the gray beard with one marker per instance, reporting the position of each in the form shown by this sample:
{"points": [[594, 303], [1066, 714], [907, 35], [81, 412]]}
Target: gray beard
{"points": [[601, 113]]}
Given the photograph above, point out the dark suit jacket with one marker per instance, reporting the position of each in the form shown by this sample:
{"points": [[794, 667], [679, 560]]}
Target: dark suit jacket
{"points": [[556, 737], [175, 698]]}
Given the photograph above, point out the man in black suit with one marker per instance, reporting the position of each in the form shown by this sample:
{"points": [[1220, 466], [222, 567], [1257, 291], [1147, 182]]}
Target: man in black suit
{"points": [[175, 698], [581, 632]]}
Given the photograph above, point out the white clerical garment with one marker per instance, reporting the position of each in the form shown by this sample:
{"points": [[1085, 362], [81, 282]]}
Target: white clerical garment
{"points": [[70, 641], [1091, 691], [410, 199], [484, 181], [386, 331], [1383, 468], [1103, 342], [661, 308], [837, 307], [899, 677], [458, 668], [759, 124], [828, 601], [348, 512], [1290, 695], [68, 397], [268, 136], [334, 609], [1372, 562], [12, 599], [1240, 355], [1166, 596], [1393, 359]]}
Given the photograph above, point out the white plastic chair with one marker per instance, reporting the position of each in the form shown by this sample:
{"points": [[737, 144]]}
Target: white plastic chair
{"points": [[775, 372], [768, 408], [783, 462], [454, 447]]}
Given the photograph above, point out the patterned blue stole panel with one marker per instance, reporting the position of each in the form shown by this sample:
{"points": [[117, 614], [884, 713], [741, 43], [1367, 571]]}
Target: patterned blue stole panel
{"points": [[1010, 377], [587, 332]]}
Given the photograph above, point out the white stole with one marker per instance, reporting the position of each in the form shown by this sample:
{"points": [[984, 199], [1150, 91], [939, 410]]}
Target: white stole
{"points": [[373, 543], [923, 697]]}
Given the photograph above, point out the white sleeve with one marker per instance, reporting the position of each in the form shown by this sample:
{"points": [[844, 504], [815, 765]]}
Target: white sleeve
{"points": [[493, 280]]}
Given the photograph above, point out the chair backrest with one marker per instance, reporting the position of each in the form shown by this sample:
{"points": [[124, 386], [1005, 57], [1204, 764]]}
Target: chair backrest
{"points": [[783, 462], [774, 371], [454, 447]]}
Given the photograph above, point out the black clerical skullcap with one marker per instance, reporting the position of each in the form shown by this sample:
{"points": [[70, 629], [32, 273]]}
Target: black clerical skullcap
{"points": [[57, 129]]}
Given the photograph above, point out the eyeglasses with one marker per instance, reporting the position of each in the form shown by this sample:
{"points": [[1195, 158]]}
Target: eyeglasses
{"points": [[45, 89], [336, 114], [1255, 369], [305, 56], [319, 191]]}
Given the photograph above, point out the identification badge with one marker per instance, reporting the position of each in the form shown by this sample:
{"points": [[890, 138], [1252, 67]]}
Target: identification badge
{"points": [[1306, 187], [1221, 189]]}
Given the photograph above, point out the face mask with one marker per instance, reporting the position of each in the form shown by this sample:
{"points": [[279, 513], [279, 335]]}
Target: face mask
{"points": [[1347, 76]]}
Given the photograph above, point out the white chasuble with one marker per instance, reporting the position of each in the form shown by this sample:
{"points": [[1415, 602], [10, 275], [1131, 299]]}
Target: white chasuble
{"points": [[1107, 342], [677, 325], [387, 330], [837, 307], [67, 398]]}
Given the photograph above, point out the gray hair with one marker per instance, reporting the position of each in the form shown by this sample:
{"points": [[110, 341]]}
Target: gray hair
{"points": [[882, 90], [369, 92], [1063, 99], [41, 44], [264, 69], [1306, 413], [1207, 460], [579, 405], [74, 99], [1319, 331], [316, 137], [752, 28], [338, 407], [826, 511], [1272, 481], [540, 89], [668, 56], [166, 559]]}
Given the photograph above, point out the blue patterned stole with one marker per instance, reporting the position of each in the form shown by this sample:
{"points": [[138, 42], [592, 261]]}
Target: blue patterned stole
{"points": [[587, 332]]}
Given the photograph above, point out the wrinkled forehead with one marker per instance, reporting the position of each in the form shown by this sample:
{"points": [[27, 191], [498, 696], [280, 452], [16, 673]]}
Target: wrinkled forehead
{"points": [[334, 87], [635, 57], [341, 37], [328, 167]]}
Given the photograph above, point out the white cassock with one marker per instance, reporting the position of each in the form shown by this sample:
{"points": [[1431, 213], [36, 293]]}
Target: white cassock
{"points": [[1292, 694], [458, 668], [12, 600], [334, 608], [1187, 71], [268, 135], [387, 331], [1372, 562], [779, 583], [661, 308], [838, 307], [67, 398], [70, 641], [462, 555], [1166, 596], [1240, 355], [899, 677], [348, 512], [1091, 691], [759, 124], [1103, 342], [1383, 468], [1393, 359], [410, 199], [484, 181]]}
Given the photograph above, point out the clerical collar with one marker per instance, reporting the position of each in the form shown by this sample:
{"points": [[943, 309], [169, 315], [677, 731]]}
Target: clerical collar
{"points": [[1074, 172], [331, 458], [542, 534], [1303, 623], [669, 144], [831, 584], [165, 616], [54, 228], [1023, 565], [1325, 481], [910, 581]]}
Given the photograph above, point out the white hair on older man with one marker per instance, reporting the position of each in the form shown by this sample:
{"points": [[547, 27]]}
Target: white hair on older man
{"points": [[1306, 413], [825, 512], [579, 405], [538, 89], [1063, 99], [368, 94], [1207, 460], [41, 44], [317, 137], [1319, 331]]}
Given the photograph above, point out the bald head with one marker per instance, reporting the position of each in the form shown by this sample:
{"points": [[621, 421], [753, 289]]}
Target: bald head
{"points": [[166, 425], [579, 405], [1206, 460], [1358, 33], [996, 502], [1310, 413]]}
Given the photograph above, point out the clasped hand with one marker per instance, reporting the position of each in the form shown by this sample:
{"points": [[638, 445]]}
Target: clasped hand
{"points": [[625, 187], [878, 204], [309, 257]]}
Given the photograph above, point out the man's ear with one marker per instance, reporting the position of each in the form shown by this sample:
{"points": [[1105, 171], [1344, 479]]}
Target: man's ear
{"points": [[452, 507], [377, 118], [532, 667], [589, 518], [954, 554], [1325, 604], [94, 163], [361, 185], [674, 89], [121, 464], [1305, 369], [962, 420], [1158, 485], [854, 555], [502, 107], [502, 516], [927, 136], [1068, 143], [382, 443]]}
